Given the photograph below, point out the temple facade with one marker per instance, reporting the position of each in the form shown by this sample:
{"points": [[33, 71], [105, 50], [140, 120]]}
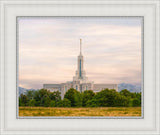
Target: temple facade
{"points": [[80, 81]]}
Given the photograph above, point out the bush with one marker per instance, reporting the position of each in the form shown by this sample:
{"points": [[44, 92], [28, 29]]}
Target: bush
{"points": [[23, 100], [66, 102], [52, 103], [106, 98], [46, 101], [92, 103], [86, 96], [121, 101], [74, 96], [136, 102], [59, 103], [31, 102]]}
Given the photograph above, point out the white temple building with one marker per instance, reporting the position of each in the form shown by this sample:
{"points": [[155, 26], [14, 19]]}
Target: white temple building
{"points": [[80, 81]]}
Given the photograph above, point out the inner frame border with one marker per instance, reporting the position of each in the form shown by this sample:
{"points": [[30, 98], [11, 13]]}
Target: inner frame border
{"points": [[80, 117]]}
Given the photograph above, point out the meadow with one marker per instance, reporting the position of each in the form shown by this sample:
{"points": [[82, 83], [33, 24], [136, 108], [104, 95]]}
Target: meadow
{"points": [[85, 111]]}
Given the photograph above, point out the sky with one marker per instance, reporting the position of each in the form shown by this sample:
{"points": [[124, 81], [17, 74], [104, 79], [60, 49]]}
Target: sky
{"points": [[49, 46]]}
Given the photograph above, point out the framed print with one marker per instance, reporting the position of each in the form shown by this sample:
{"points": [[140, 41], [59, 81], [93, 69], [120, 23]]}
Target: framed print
{"points": [[80, 67], [110, 95]]}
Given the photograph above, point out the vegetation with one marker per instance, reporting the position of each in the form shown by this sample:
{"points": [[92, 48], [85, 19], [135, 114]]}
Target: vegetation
{"points": [[83, 111], [73, 98]]}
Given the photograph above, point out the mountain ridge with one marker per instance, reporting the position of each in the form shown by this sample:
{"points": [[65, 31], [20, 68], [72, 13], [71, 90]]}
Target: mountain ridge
{"points": [[121, 86]]}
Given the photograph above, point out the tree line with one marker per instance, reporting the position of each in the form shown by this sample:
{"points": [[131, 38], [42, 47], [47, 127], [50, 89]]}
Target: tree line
{"points": [[73, 98]]}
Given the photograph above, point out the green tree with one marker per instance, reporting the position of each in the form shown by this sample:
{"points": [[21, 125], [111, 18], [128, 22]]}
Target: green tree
{"points": [[106, 97], [66, 102], [87, 95], [30, 94], [126, 93], [52, 103], [74, 96], [46, 101], [136, 102], [59, 103], [138, 96], [20, 102], [121, 101], [31, 102], [78, 99], [24, 100], [56, 95], [39, 96], [92, 103]]}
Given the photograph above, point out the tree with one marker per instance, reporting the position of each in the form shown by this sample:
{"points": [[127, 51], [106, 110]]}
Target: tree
{"points": [[136, 102], [92, 103], [87, 95], [20, 102], [56, 95], [74, 96], [59, 103], [52, 103], [78, 99], [31, 102], [106, 97], [138, 96], [66, 102], [30, 94], [23, 100], [46, 101], [126, 93], [39, 96], [121, 101]]}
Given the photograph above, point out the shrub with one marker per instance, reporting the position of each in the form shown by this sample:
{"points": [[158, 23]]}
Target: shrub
{"points": [[92, 103], [31, 102], [66, 102], [75, 97], [86, 96], [136, 102], [52, 103]]}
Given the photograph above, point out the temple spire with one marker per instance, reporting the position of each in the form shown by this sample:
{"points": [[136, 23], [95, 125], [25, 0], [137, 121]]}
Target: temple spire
{"points": [[80, 45]]}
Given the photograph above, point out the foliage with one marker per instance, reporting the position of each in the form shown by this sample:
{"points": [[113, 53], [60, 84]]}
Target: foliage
{"points": [[73, 98], [46, 101], [56, 96], [66, 102], [121, 101], [92, 103], [86, 96], [31, 102], [136, 102], [125, 93], [52, 103], [106, 97], [23, 100]]}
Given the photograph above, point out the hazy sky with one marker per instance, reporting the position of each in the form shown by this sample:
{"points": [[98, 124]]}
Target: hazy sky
{"points": [[48, 49]]}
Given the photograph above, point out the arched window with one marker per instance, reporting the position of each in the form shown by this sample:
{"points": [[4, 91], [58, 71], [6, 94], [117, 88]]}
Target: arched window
{"points": [[76, 87], [86, 88], [80, 74]]}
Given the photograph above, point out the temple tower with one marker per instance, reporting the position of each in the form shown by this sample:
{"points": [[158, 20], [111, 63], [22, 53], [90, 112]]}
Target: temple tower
{"points": [[80, 63], [80, 78]]}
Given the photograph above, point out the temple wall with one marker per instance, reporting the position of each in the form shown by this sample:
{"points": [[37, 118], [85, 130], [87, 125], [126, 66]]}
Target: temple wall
{"points": [[99, 87]]}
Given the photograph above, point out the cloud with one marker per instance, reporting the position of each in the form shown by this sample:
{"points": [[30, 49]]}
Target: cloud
{"points": [[48, 49]]}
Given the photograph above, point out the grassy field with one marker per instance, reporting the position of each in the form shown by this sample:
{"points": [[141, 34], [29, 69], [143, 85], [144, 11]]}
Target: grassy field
{"points": [[97, 111]]}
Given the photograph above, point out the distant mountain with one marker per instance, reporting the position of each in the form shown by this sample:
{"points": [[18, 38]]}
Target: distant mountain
{"points": [[122, 86], [23, 90], [130, 87]]}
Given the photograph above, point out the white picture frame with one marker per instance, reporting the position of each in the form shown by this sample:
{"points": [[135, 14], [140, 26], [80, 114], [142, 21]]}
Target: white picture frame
{"points": [[149, 9]]}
